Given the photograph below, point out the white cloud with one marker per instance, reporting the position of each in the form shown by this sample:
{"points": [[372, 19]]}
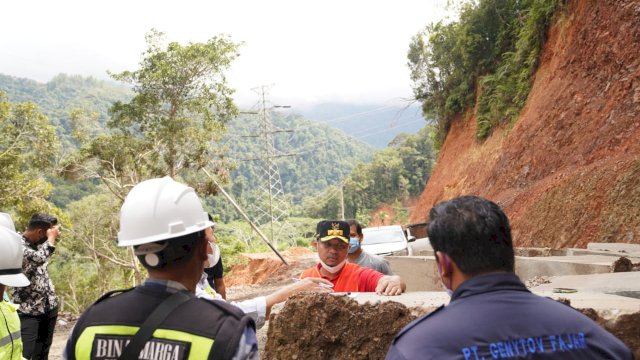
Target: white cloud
{"points": [[312, 50]]}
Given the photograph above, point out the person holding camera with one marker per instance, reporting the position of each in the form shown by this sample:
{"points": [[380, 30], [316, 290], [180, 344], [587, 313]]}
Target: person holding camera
{"points": [[38, 301]]}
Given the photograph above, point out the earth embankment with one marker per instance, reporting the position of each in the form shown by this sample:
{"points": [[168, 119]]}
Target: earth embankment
{"points": [[568, 172]]}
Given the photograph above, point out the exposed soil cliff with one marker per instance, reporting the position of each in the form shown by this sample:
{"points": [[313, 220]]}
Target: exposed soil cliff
{"points": [[568, 172]]}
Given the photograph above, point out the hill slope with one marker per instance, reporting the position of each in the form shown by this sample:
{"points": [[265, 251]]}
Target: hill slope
{"points": [[63, 93], [568, 172]]}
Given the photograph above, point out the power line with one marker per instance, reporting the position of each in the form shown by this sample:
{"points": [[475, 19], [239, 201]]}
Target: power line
{"points": [[270, 206]]}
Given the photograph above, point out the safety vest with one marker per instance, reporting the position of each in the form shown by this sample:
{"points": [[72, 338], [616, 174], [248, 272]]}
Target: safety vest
{"points": [[197, 329], [347, 280], [10, 341]]}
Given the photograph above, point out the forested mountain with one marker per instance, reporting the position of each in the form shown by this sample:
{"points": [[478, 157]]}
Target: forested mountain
{"points": [[60, 95], [321, 155]]}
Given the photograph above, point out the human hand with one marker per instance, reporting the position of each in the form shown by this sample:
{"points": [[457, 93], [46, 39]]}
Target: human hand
{"points": [[309, 284], [300, 285], [53, 233], [390, 286]]}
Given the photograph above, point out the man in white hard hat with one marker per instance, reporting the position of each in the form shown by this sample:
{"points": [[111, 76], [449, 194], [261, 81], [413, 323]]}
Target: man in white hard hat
{"points": [[7, 222], [10, 275], [162, 319]]}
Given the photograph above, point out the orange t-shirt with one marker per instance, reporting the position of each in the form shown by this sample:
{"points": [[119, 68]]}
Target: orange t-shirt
{"points": [[351, 278]]}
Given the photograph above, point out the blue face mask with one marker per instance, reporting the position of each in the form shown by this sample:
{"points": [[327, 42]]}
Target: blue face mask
{"points": [[355, 244]]}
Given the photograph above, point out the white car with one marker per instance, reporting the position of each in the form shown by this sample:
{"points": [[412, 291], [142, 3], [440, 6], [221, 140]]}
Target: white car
{"points": [[387, 240]]}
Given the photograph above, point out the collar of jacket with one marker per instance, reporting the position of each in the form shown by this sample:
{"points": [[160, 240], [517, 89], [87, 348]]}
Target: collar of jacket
{"points": [[489, 283], [163, 285]]}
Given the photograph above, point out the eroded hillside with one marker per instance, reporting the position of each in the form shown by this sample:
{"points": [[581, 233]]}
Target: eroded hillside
{"points": [[568, 172]]}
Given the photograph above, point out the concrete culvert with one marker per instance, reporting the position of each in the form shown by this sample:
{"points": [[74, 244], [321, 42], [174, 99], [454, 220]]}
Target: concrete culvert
{"points": [[324, 326]]}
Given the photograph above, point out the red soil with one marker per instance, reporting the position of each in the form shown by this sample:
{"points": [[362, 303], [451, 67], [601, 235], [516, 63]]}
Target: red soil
{"points": [[568, 172], [268, 268]]}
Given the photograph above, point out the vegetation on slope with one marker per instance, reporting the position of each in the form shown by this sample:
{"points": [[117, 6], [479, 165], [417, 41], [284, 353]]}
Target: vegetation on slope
{"points": [[396, 174], [492, 50]]}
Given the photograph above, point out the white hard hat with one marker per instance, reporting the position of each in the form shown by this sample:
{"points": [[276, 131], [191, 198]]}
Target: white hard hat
{"points": [[5, 220], [11, 259], [160, 209]]}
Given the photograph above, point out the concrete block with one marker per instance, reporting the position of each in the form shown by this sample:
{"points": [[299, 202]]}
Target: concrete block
{"points": [[608, 306], [528, 267], [609, 283], [624, 248], [421, 274]]}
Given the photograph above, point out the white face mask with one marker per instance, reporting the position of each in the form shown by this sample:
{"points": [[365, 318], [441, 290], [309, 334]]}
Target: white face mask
{"points": [[444, 287], [333, 269], [214, 257]]}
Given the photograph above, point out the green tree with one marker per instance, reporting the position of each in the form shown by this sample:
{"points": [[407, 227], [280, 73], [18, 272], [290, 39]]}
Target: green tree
{"points": [[395, 174], [182, 100], [28, 150], [89, 263], [180, 106]]}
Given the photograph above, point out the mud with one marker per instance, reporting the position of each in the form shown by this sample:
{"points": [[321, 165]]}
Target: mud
{"points": [[624, 327], [323, 326], [267, 268]]}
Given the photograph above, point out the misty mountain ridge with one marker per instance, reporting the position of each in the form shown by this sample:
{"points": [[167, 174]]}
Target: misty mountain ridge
{"points": [[375, 124]]}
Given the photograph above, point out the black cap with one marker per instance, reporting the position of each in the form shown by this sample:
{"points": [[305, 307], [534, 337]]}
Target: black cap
{"points": [[333, 229]]}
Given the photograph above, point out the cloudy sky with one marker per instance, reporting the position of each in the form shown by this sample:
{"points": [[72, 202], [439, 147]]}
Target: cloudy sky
{"points": [[312, 51]]}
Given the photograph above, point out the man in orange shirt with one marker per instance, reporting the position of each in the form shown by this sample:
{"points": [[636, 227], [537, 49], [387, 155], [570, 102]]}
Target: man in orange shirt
{"points": [[332, 243]]}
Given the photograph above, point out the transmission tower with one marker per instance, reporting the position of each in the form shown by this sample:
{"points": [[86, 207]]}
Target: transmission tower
{"points": [[271, 206]]}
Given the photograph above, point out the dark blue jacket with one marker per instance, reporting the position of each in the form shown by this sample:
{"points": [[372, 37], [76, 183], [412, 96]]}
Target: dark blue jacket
{"points": [[494, 316]]}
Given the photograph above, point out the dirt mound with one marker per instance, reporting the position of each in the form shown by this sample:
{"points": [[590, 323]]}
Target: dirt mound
{"points": [[623, 264], [323, 326], [267, 268], [624, 327], [568, 172]]}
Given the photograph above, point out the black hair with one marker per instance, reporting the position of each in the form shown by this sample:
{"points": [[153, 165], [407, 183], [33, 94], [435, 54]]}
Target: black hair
{"points": [[178, 250], [355, 222], [42, 221], [474, 232]]}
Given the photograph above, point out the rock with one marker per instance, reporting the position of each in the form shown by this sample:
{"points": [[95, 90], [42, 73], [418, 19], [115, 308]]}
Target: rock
{"points": [[623, 264]]}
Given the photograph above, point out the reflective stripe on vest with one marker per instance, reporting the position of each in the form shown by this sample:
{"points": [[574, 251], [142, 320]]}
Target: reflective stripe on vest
{"points": [[199, 346], [10, 338]]}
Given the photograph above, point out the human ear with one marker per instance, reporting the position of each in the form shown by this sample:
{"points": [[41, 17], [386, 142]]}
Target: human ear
{"points": [[202, 247], [444, 263]]}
